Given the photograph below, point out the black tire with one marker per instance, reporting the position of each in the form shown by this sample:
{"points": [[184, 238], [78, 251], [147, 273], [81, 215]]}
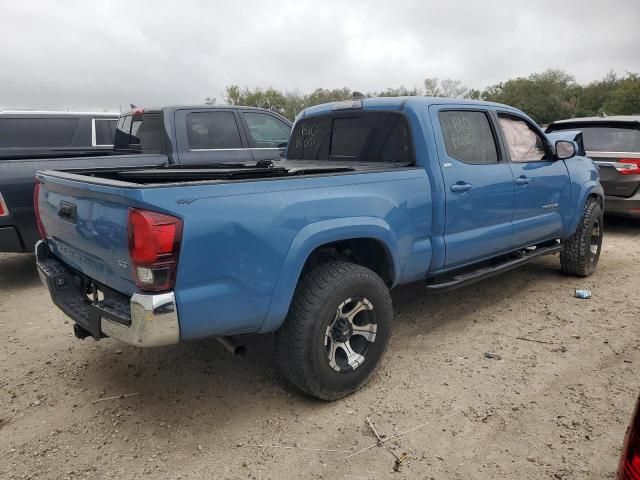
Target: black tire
{"points": [[306, 342], [582, 250]]}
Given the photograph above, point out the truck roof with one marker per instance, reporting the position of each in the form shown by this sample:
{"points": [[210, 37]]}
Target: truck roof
{"points": [[612, 118], [173, 108], [397, 103], [57, 113]]}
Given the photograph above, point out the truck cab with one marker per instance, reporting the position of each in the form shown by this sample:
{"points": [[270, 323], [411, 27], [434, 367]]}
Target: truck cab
{"points": [[204, 134]]}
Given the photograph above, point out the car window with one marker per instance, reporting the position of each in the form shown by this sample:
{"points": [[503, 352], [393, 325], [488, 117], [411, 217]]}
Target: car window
{"points": [[123, 130], [104, 131], [266, 131], [212, 131], [140, 132], [146, 133], [362, 136], [607, 139], [524, 143], [468, 136], [37, 132]]}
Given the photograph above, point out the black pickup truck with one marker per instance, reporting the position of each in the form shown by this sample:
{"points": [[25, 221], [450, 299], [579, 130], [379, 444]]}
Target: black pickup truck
{"points": [[177, 135]]}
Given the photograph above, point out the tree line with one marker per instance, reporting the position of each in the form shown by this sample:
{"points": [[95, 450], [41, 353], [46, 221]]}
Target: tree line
{"points": [[547, 96]]}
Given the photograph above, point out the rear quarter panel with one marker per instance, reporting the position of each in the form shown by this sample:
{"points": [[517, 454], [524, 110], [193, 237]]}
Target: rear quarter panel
{"points": [[244, 244]]}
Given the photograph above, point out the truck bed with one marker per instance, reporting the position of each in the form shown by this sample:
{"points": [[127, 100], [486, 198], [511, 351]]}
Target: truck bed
{"points": [[220, 173], [242, 238]]}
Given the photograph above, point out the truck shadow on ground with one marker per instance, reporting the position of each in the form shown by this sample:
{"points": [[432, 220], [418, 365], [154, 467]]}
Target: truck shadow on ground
{"points": [[202, 379], [18, 271], [200, 383]]}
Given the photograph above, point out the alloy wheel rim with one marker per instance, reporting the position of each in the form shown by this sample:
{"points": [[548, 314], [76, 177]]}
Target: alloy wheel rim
{"points": [[350, 334]]}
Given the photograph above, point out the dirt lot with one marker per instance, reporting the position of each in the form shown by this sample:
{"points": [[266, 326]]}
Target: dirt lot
{"points": [[544, 410]]}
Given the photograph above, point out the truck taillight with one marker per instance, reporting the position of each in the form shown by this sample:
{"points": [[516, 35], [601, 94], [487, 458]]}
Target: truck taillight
{"points": [[628, 166], [4, 211], [36, 207], [629, 468], [154, 246]]}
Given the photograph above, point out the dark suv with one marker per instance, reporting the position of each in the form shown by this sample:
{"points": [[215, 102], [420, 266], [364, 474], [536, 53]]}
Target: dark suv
{"points": [[614, 144], [30, 132]]}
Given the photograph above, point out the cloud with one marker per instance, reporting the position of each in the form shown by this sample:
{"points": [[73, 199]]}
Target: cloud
{"points": [[95, 55]]}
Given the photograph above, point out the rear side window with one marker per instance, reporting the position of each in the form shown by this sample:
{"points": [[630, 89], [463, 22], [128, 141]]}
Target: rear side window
{"points": [[142, 133], [361, 136], [104, 131], [37, 132], [212, 131], [266, 131], [468, 136], [608, 139]]}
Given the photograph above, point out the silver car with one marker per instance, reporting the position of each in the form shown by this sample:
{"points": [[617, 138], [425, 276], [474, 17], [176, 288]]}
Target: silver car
{"points": [[614, 144]]}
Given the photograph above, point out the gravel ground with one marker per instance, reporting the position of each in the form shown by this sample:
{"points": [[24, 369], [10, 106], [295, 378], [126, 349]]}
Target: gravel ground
{"points": [[543, 410]]}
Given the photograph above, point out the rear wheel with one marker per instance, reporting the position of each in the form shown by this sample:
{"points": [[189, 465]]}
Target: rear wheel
{"points": [[582, 250], [336, 331]]}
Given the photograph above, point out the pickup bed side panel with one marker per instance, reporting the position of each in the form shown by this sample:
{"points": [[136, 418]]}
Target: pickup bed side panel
{"points": [[244, 244]]}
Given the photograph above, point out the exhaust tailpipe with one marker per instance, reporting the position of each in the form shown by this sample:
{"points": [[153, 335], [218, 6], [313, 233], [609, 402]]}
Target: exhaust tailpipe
{"points": [[232, 346]]}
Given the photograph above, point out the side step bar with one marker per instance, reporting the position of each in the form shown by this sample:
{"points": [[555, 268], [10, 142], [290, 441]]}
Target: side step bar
{"points": [[451, 283]]}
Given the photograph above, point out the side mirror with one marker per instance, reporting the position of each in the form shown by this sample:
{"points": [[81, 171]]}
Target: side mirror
{"points": [[565, 149]]}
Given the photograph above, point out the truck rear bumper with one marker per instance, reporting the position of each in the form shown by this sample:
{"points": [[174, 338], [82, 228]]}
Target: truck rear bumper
{"points": [[145, 320], [628, 207]]}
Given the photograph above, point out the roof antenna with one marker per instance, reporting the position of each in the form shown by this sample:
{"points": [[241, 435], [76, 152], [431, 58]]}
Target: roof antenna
{"points": [[132, 106], [358, 96]]}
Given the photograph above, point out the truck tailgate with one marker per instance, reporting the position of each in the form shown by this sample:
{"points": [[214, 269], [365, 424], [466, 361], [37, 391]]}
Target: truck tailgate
{"points": [[86, 225]]}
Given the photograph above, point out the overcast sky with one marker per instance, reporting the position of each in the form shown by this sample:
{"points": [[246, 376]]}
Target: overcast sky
{"points": [[106, 54]]}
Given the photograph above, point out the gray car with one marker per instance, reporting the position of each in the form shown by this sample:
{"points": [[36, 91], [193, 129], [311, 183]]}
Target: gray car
{"points": [[614, 144]]}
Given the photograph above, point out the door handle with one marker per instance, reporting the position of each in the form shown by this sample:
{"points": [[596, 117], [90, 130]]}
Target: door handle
{"points": [[67, 211], [461, 187], [523, 180]]}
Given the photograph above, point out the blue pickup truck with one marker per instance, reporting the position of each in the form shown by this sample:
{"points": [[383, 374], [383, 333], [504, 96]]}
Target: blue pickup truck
{"points": [[372, 194]]}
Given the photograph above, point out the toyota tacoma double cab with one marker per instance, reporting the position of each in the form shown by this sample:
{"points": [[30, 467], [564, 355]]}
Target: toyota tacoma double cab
{"points": [[372, 194]]}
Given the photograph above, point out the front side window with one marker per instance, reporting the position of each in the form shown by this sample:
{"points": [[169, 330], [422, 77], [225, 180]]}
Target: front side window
{"points": [[359, 136], [524, 143], [37, 132], [212, 131], [468, 136], [266, 131]]}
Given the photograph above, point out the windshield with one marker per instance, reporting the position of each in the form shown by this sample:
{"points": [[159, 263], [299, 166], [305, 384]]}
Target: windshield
{"points": [[607, 139], [353, 136]]}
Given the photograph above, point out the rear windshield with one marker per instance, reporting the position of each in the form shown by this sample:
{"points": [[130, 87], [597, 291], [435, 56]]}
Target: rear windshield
{"points": [[142, 133], [360, 136], [607, 139], [37, 132]]}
